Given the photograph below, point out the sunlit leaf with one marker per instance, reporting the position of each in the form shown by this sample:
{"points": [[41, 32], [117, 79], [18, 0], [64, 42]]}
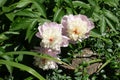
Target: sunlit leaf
{"points": [[2, 2], [23, 67], [23, 3], [58, 15], [10, 16], [34, 54], [3, 37]]}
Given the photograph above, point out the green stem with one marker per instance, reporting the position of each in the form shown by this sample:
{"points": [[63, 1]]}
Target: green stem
{"points": [[94, 61], [107, 62]]}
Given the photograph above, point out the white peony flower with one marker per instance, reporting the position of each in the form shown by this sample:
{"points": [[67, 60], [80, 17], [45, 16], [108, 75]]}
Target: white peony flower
{"points": [[51, 35], [76, 27]]}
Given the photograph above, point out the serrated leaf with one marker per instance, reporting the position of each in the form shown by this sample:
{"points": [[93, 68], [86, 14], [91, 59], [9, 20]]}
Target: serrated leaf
{"points": [[58, 15], [23, 67]]}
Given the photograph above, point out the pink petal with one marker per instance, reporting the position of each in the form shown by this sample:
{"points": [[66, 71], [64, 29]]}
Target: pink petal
{"points": [[65, 41]]}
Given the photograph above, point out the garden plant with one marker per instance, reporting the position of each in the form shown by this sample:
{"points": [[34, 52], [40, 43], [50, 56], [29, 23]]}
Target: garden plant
{"points": [[59, 39]]}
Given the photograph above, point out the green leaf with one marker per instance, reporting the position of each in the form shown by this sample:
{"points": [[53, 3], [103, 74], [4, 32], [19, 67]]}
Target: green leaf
{"points": [[102, 24], [10, 16], [2, 2], [69, 2], [110, 25], [3, 37], [59, 2], [92, 2], [26, 12], [95, 34], [11, 32], [80, 4], [9, 8], [40, 7], [96, 17], [19, 58], [69, 10], [23, 3], [8, 58], [29, 78], [30, 31], [23, 67], [21, 23], [58, 14], [112, 3], [34, 54], [107, 62], [111, 16], [89, 13]]}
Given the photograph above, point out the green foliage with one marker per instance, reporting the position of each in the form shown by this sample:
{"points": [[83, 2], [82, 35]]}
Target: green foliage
{"points": [[19, 20]]}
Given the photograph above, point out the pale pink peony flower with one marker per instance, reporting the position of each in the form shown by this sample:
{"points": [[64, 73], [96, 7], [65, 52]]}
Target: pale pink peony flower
{"points": [[44, 63], [76, 27], [51, 35]]}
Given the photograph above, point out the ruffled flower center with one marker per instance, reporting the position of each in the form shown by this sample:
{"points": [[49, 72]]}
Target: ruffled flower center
{"points": [[77, 29], [52, 38]]}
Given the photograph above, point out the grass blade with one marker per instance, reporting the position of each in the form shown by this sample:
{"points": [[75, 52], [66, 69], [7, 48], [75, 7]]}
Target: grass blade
{"points": [[23, 67]]}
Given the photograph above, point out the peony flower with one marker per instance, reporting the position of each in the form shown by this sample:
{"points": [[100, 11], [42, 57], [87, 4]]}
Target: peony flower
{"points": [[76, 27], [44, 63], [51, 35]]}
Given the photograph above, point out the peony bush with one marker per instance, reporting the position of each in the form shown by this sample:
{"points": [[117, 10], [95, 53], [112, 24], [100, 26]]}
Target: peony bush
{"points": [[59, 40], [73, 28]]}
